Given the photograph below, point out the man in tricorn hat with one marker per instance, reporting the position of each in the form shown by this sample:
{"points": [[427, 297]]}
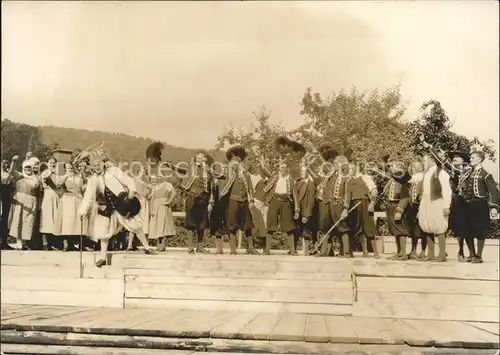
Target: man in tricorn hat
{"points": [[106, 188], [198, 187], [238, 189]]}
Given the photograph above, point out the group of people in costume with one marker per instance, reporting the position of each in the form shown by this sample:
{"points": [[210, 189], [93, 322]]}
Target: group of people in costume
{"points": [[438, 191], [333, 202]]}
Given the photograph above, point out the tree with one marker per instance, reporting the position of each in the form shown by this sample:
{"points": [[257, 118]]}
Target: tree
{"points": [[366, 123], [436, 126], [18, 139], [259, 139]]}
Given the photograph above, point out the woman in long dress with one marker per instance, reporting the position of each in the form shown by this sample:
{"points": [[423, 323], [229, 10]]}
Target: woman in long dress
{"points": [[24, 207], [51, 185], [434, 208], [161, 223], [68, 219]]}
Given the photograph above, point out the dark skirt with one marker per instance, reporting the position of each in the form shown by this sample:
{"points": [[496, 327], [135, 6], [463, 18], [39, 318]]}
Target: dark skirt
{"points": [[458, 220], [280, 213], [412, 221], [6, 203], [476, 215], [196, 212], [238, 216], [396, 228], [362, 221], [329, 214]]}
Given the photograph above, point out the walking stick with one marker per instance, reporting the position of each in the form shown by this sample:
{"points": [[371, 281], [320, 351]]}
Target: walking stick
{"points": [[320, 242], [81, 247]]}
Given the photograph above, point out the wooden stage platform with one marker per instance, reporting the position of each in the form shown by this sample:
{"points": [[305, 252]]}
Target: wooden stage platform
{"points": [[260, 303]]}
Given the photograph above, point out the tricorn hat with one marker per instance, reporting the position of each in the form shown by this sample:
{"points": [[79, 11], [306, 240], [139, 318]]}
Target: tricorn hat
{"points": [[236, 151], [328, 152], [464, 155]]}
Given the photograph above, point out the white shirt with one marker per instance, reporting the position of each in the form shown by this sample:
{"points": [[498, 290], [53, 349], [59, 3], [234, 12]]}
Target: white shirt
{"points": [[281, 185], [444, 179]]}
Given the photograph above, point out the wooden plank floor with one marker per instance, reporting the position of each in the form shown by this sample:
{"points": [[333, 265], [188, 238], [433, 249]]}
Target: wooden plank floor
{"points": [[254, 298], [249, 326]]}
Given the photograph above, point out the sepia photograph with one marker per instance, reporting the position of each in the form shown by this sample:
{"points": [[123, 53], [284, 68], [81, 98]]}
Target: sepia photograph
{"points": [[270, 177]]}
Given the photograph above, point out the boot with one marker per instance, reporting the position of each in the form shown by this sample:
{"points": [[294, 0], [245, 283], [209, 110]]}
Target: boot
{"points": [[442, 248], [267, 247], [218, 246], [291, 244], [251, 249], [346, 248], [232, 244], [189, 241], [306, 246], [430, 249]]}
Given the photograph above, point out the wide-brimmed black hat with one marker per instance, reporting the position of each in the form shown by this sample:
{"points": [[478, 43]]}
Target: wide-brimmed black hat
{"points": [[328, 152], [283, 144], [464, 155], [236, 151], [127, 207]]}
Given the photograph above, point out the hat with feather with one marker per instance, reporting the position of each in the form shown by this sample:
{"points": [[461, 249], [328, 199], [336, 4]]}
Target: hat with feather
{"points": [[154, 152]]}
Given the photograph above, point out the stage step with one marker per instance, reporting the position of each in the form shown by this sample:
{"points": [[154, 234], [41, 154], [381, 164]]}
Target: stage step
{"points": [[251, 283], [427, 291]]}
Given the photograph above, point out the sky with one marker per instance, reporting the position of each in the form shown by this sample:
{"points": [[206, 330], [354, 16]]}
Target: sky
{"points": [[182, 71]]}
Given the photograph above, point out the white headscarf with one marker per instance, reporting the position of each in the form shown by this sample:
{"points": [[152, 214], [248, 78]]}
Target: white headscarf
{"points": [[34, 160], [27, 163]]}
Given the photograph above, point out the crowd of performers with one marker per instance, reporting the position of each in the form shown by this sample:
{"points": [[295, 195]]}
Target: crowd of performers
{"points": [[423, 201]]}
